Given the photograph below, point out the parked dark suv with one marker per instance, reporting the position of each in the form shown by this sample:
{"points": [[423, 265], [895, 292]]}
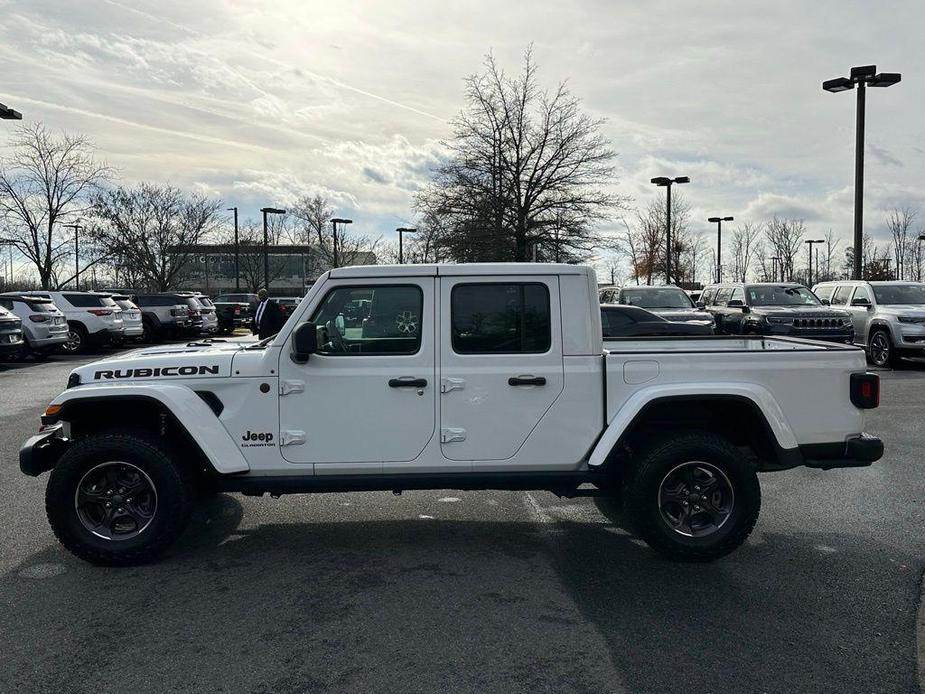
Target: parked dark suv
{"points": [[775, 309]]}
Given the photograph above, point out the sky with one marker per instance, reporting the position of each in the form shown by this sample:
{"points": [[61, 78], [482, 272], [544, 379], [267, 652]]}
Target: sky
{"points": [[259, 103]]}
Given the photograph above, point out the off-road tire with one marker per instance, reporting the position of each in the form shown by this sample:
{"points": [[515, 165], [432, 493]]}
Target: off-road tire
{"points": [[642, 498], [173, 484]]}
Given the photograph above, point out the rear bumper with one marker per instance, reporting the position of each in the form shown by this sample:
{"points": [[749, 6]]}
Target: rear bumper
{"points": [[40, 452], [858, 451]]}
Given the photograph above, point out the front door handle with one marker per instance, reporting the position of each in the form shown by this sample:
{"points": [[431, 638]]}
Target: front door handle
{"points": [[407, 382], [526, 381]]}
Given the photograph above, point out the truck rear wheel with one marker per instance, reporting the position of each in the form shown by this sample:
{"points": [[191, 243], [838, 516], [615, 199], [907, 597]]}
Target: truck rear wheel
{"points": [[693, 498], [117, 498]]}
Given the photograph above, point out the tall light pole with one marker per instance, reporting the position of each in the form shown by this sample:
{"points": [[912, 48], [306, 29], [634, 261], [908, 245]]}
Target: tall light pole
{"points": [[6, 113], [401, 232], [719, 244], [334, 223], [665, 182], [237, 276], [266, 244], [76, 227], [861, 77], [809, 276]]}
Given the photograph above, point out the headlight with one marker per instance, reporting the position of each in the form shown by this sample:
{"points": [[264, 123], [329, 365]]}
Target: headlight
{"points": [[912, 319]]}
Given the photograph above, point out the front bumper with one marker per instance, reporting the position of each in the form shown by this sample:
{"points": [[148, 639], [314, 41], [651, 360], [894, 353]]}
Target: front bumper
{"points": [[858, 451], [41, 452]]}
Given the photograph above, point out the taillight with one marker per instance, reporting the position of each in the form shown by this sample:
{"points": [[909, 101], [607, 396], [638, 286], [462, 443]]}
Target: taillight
{"points": [[100, 311], [39, 318], [865, 390], [237, 310]]}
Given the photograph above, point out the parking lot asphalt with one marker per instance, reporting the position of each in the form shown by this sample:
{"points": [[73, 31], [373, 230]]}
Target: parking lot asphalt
{"points": [[474, 592]]}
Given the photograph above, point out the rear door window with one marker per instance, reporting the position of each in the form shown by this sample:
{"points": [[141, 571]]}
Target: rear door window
{"points": [[501, 318]]}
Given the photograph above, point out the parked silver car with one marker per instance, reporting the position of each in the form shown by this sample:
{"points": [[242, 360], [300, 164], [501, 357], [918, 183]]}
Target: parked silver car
{"points": [[889, 317], [44, 327]]}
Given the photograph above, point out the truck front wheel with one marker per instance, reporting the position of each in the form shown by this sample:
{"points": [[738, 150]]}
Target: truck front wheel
{"points": [[693, 498], [117, 498]]}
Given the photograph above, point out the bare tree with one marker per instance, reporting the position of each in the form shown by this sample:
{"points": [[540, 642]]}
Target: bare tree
{"points": [[528, 172], [45, 181], [785, 236], [645, 240], [899, 222], [154, 229], [744, 240], [311, 217], [831, 246]]}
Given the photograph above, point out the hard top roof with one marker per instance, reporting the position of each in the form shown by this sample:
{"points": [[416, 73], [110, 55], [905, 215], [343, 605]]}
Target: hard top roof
{"points": [[463, 269]]}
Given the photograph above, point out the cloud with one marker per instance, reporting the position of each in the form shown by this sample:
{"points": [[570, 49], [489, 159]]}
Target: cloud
{"points": [[883, 155]]}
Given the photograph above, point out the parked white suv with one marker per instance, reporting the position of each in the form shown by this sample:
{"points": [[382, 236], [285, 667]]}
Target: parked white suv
{"points": [[889, 317], [43, 325], [92, 318]]}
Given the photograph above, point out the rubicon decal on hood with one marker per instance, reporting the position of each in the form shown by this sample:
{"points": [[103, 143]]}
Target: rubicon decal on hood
{"points": [[156, 372]]}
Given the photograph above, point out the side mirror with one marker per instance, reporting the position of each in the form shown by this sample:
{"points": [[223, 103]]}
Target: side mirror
{"points": [[825, 302], [304, 342], [861, 302], [700, 304]]}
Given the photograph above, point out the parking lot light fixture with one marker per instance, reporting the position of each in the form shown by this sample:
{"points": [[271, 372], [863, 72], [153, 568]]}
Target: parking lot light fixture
{"points": [[809, 274], [861, 77], [719, 243], [334, 223], [266, 244], [666, 183], [6, 113], [401, 232]]}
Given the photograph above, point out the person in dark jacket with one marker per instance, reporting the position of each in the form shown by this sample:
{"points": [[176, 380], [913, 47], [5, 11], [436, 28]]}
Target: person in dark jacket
{"points": [[268, 316]]}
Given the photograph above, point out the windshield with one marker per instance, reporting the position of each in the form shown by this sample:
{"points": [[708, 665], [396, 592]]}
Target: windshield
{"points": [[656, 297], [771, 295], [892, 294]]}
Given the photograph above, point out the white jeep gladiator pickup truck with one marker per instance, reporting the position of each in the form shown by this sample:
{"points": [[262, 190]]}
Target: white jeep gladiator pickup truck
{"points": [[449, 377]]}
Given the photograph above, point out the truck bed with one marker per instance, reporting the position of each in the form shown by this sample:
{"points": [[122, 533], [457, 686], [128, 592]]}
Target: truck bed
{"points": [[717, 343], [787, 378]]}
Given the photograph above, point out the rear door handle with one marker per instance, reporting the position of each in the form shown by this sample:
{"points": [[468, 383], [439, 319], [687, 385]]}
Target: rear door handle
{"points": [[526, 381], [407, 382]]}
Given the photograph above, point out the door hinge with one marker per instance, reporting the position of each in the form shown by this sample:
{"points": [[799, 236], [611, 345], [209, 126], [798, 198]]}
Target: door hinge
{"points": [[450, 435], [291, 438], [448, 384], [286, 387]]}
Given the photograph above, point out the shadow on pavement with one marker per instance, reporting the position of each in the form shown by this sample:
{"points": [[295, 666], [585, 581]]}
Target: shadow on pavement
{"points": [[459, 606]]}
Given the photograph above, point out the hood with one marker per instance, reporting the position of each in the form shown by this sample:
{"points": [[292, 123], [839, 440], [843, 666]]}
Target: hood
{"points": [[161, 363], [800, 312], [902, 309], [681, 314]]}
